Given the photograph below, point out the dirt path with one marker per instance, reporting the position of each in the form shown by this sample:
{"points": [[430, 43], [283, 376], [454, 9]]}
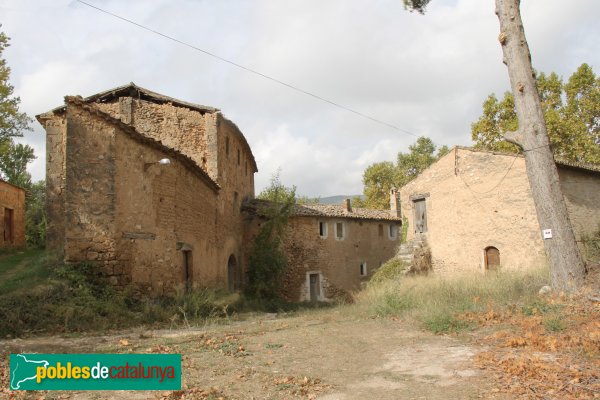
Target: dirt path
{"points": [[327, 354]]}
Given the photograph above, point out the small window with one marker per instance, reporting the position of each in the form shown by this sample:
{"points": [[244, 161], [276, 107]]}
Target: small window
{"points": [[235, 202], [238, 158], [246, 168], [340, 233], [363, 268], [393, 231], [227, 146], [380, 230], [323, 229]]}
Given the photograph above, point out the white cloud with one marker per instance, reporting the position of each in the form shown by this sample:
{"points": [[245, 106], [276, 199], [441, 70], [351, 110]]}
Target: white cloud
{"points": [[426, 74]]}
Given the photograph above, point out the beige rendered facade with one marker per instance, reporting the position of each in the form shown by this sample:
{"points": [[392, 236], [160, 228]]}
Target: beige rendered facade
{"points": [[476, 211]]}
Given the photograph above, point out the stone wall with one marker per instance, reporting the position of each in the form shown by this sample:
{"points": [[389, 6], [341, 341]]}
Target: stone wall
{"points": [[338, 262], [236, 169], [176, 127], [12, 198], [89, 198], [164, 210], [56, 137]]}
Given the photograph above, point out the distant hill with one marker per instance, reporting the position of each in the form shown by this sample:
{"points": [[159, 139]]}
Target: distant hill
{"points": [[338, 199]]}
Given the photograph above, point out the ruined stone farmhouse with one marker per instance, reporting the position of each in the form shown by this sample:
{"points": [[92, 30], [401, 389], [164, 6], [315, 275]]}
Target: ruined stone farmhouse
{"points": [[150, 189], [12, 215], [475, 210], [333, 249]]}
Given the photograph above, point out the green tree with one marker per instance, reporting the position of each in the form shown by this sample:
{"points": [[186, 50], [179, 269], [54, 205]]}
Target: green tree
{"points": [[12, 122], [567, 271], [571, 111], [35, 215], [267, 261], [14, 158], [380, 177]]}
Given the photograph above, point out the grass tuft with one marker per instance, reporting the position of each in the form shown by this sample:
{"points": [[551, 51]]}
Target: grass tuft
{"points": [[438, 301]]}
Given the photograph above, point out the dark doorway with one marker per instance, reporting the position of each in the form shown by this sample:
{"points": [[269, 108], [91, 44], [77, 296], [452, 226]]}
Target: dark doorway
{"points": [[492, 258], [315, 287], [232, 274], [188, 268], [420, 216], [9, 222]]}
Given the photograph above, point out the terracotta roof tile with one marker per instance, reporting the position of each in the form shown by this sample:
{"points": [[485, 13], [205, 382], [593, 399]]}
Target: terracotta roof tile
{"points": [[326, 211]]}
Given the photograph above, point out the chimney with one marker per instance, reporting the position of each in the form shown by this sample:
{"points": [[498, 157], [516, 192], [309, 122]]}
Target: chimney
{"points": [[347, 206], [394, 203]]}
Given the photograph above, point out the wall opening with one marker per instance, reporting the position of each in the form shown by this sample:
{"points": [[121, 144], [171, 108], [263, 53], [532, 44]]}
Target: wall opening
{"points": [[380, 230], [9, 225], [227, 146], [392, 231], [188, 268], [232, 274], [322, 229], [315, 287], [420, 216], [363, 268], [238, 157], [491, 258], [339, 231]]}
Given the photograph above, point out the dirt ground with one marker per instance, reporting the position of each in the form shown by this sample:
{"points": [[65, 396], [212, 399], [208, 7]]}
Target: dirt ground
{"points": [[322, 354]]}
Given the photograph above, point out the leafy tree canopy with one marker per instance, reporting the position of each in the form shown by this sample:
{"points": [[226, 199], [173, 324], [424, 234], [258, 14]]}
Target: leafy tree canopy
{"points": [[571, 111], [267, 261], [380, 177], [12, 122], [14, 158]]}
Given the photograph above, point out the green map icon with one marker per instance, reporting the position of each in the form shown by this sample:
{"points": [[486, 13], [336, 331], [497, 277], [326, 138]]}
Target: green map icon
{"points": [[24, 369]]}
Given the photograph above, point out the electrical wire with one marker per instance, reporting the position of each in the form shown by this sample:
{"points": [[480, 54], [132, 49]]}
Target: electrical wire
{"points": [[253, 71]]}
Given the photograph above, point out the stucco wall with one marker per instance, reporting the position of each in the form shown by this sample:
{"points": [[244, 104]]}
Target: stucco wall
{"points": [[581, 191], [475, 200], [337, 261], [13, 198]]}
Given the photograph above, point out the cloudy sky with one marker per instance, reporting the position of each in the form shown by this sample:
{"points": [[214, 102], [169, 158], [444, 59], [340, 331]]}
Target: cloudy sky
{"points": [[427, 74]]}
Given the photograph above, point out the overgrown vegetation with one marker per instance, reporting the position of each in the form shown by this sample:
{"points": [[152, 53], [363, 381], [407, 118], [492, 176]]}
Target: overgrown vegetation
{"points": [[591, 243], [440, 303], [38, 294], [267, 261], [391, 270]]}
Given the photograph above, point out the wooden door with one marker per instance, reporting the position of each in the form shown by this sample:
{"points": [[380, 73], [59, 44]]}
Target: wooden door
{"points": [[420, 216], [8, 225], [492, 259]]}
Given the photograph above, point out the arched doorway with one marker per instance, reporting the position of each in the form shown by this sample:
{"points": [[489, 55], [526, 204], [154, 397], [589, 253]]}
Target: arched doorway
{"points": [[232, 273], [491, 258]]}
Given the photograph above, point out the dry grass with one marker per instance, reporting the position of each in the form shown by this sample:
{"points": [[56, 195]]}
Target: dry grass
{"points": [[438, 301]]}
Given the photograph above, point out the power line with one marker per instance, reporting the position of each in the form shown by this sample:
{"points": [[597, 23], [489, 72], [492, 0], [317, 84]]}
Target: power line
{"points": [[253, 71]]}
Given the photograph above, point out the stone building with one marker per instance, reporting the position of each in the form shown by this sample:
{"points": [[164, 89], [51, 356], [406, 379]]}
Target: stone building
{"points": [[147, 187], [475, 210], [12, 210], [333, 249], [150, 188]]}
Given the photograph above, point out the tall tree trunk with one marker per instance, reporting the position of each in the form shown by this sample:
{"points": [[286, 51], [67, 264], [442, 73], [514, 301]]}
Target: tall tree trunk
{"points": [[567, 270]]}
